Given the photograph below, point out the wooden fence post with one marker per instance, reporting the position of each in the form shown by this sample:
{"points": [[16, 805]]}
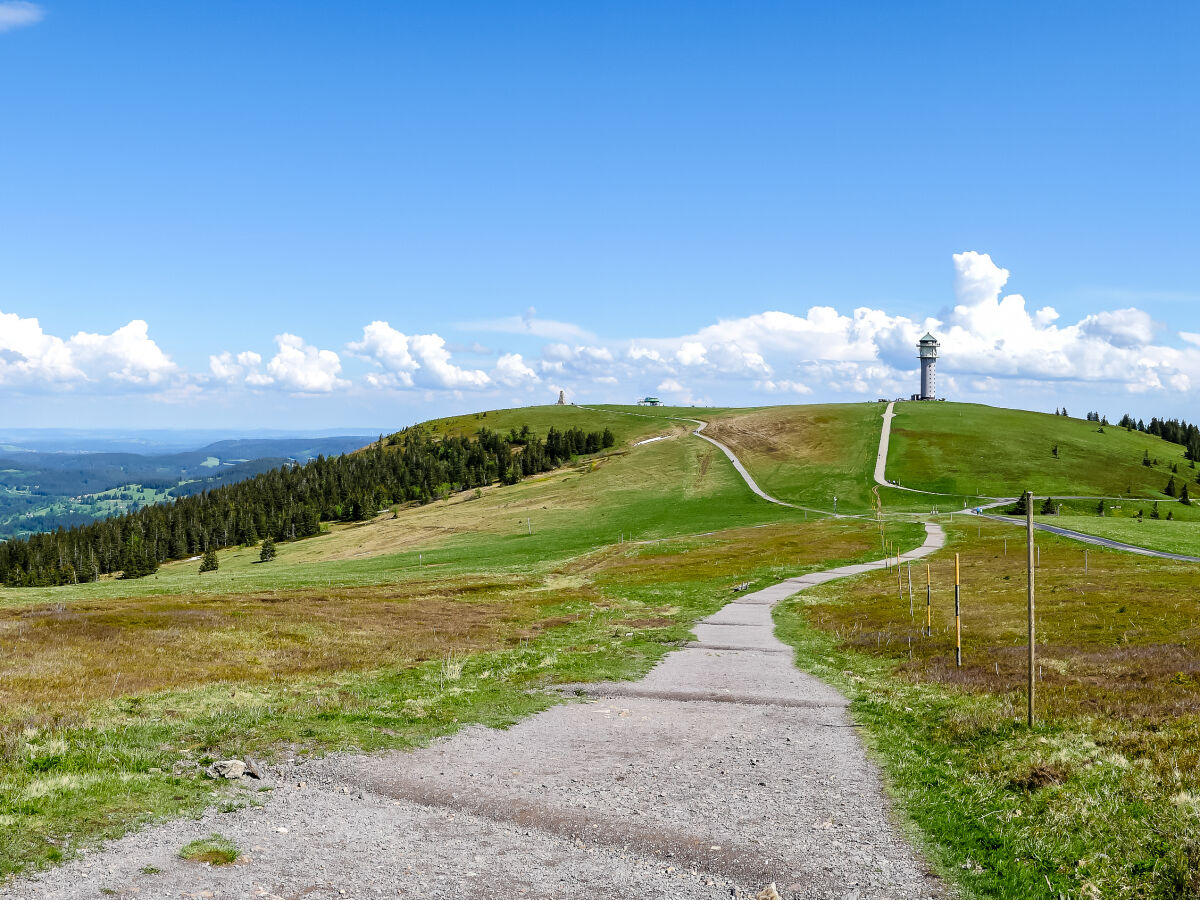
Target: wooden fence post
{"points": [[1030, 569]]}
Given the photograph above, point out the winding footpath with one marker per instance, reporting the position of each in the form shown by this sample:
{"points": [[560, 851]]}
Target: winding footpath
{"points": [[729, 454], [1083, 537], [722, 771]]}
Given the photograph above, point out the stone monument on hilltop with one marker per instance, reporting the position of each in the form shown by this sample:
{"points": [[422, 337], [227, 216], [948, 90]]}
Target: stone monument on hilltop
{"points": [[562, 398]]}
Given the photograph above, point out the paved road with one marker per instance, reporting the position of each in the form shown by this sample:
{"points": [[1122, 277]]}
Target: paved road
{"points": [[723, 770], [1093, 539], [881, 478], [885, 437]]}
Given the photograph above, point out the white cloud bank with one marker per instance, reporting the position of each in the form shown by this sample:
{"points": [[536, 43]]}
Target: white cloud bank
{"points": [[296, 367], [988, 339], [424, 361], [19, 14], [33, 359], [994, 346]]}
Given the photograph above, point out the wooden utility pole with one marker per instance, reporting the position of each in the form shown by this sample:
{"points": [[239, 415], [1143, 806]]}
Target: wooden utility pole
{"points": [[957, 617], [1030, 566]]}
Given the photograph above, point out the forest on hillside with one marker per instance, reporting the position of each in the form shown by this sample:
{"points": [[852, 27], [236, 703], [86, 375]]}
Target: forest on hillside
{"points": [[290, 502]]}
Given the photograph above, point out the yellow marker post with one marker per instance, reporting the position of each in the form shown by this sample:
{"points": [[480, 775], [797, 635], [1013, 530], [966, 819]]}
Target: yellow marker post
{"points": [[957, 616]]}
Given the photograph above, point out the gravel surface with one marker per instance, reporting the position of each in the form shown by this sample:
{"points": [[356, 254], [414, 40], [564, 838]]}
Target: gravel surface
{"points": [[723, 770]]}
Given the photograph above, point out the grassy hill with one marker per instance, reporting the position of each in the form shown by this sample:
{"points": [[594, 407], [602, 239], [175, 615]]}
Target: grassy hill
{"points": [[807, 454], [379, 634], [973, 450], [389, 632]]}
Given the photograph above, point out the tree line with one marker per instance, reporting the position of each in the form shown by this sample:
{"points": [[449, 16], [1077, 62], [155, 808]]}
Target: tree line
{"points": [[1175, 431], [290, 502]]}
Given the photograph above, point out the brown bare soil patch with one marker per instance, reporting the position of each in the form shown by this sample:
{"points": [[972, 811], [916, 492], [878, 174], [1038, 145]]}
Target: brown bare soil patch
{"points": [[1037, 777]]}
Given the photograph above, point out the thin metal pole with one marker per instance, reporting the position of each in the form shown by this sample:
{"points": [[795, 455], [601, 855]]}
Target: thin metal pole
{"points": [[1084, 562], [911, 614], [928, 602], [957, 616], [1030, 562]]}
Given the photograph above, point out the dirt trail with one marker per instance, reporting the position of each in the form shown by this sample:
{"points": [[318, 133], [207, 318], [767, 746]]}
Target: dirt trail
{"points": [[721, 771]]}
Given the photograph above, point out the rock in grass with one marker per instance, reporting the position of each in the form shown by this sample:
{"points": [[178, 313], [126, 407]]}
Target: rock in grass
{"points": [[228, 768], [252, 769]]}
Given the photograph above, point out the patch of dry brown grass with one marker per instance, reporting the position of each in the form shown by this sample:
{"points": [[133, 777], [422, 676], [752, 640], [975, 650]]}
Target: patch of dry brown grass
{"points": [[60, 655]]}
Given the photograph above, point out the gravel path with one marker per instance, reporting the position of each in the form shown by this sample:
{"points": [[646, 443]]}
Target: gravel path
{"points": [[721, 771]]}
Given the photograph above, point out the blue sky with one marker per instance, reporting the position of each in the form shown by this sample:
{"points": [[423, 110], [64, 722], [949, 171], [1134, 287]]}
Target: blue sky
{"points": [[207, 206]]}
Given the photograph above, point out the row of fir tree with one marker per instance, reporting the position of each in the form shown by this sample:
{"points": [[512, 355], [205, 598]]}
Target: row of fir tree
{"points": [[289, 503]]}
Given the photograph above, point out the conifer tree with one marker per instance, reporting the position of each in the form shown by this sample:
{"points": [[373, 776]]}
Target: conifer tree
{"points": [[267, 553], [1048, 507], [209, 562], [289, 503]]}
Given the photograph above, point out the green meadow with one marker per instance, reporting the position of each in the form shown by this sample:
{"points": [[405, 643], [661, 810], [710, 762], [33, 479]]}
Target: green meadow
{"points": [[379, 635], [391, 632]]}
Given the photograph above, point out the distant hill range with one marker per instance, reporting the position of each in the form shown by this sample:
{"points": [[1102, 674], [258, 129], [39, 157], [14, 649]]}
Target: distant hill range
{"points": [[43, 485]]}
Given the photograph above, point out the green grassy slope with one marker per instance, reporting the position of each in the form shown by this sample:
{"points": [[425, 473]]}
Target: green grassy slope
{"points": [[807, 454], [379, 634], [1179, 536], [541, 419], [967, 449], [671, 487]]}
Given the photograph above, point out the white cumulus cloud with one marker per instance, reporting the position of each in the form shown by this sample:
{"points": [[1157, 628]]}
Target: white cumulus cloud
{"points": [[303, 368], [418, 360], [128, 356], [512, 371], [244, 367]]}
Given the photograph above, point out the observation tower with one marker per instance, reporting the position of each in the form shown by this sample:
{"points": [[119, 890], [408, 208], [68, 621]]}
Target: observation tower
{"points": [[927, 351]]}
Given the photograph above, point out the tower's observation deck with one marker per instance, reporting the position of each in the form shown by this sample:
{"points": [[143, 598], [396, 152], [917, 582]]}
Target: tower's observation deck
{"points": [[927, 351]]}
